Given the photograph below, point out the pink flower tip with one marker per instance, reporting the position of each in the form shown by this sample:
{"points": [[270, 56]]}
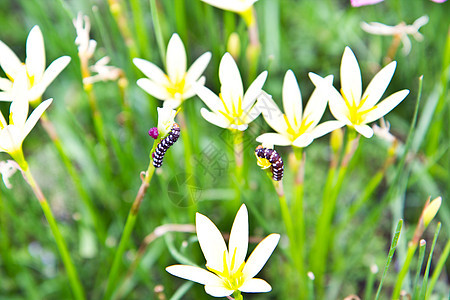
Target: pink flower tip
{"points": [[153, 132], [357, 3]]}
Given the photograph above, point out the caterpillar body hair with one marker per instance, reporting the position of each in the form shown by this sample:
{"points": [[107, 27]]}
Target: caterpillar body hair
{"points": [[165, 144], [277, 165]]}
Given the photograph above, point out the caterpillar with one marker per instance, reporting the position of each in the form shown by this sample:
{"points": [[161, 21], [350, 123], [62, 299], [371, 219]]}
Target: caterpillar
{"points": [[277, 165], [165, 143]]}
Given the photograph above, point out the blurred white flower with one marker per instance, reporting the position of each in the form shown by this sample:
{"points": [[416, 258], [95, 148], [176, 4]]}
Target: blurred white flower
{"points": [[355, 110], [13, 134], [177, 85], [86, 46], [7, 169], [104, 72], [38, 77], [227, 269], [231, 109], [357, 3], [238, 6], [402, 30], [383, 131], [296, 127]]}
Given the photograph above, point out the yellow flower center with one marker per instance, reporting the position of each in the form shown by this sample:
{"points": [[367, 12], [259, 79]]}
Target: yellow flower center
{"points": [[295, 133], [356, 116], [236, 114], [231, 280], [176, 89]]}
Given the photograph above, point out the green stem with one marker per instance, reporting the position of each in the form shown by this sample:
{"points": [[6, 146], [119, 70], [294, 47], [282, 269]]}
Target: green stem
{"points": [[74, 280], [416, 286], [118, 12], [238, 149], [405, 268], [238, 296], [140, 28], [438, 269], [158, 31], [128, 229]]}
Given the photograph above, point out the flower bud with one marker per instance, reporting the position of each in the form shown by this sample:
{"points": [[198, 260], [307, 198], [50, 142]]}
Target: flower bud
{"points": [[336, 140], [431, 210], [234, 45]]}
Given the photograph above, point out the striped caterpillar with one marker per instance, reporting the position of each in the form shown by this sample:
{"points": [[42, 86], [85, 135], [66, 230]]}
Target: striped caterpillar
{"points": [[277, 165], [165, 143]]}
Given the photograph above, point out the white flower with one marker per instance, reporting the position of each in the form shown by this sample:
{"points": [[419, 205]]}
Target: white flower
{"points": [[402, 30], [86, 46], [166, 116], [104, 72], [13, 134], [231, 109], [355, 110], [39, 78], [238, 6], [228, 270], [177, 85], [296, 127], [7, 169]]}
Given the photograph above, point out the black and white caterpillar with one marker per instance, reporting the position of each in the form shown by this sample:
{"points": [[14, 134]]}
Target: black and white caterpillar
{"points": [[277, 165], [165, 144]]}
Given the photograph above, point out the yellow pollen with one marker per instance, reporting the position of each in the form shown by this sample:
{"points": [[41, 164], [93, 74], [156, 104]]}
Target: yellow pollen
{"points": [[236, 115], [231, 280], [175, 88], [356, 116]]}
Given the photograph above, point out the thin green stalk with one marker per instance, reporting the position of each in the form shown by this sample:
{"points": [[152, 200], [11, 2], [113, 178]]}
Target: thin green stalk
{"points": [[117, 10], [180, 18], [238, 149], [416, 286], [128, 229], [311, 278], [373, 270], [438, 269], [398, 229], [74, 280], [76, 179], [405, 268], [158, 31], [140, 28], [238, 296], [424, 291]]}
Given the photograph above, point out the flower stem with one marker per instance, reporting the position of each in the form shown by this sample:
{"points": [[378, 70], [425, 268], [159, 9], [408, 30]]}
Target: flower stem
{"points": [[238, 143], [158, 31], [129, 225], [237, 295], [118, 9], [74, 280]]}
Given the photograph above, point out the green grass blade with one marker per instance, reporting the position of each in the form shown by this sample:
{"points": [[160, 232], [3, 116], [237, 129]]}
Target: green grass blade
{"points": [[423, 290], [422, 249]]}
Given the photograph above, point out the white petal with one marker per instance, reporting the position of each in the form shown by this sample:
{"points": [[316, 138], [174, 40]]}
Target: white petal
{"points": [[5, 96], [172, 103], [35, 115], [326, 127], [250, 115], [198, 67], [209, 98], [150, 70], [5, 84], [217, 290], [9, 61], [230, 78], [260, 255], [304, 140], [192, 273], [254, 90], [337, 106], [378, 86], [50, 74], [211, 242], [19, 105], [11, 138], [214, 118], [153, 89], [351, 76], [176, 59], [292, 99], [317, 103], [255, 285], [35, 61], [190, 91], [274, 139], [238, 243], [242, 127], [231, 5], [386, 106], [364, 130], [271, 113]]}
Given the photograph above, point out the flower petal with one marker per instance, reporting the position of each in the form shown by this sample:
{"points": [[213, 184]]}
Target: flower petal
{"points": [[211, 242], [50, 74], [5, 84], [192, 273], [11, 138], [238, 243], [317, 103], [153, 89], [386, 106], [378, 86], [273, 139], [190, 91], [337, 106], [209, 98], [214, 118], [9, 61], [152, 71], [304, 140], [230, 78], [351, 76], [326, 127], [198, 67], [35, 49], [255, 285], [364, 130], [271, 113], [35, 115], [5, 96], [292, 99], [231, 5], [254, 90], [260, 255], [218, 290], [176, 59]]}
